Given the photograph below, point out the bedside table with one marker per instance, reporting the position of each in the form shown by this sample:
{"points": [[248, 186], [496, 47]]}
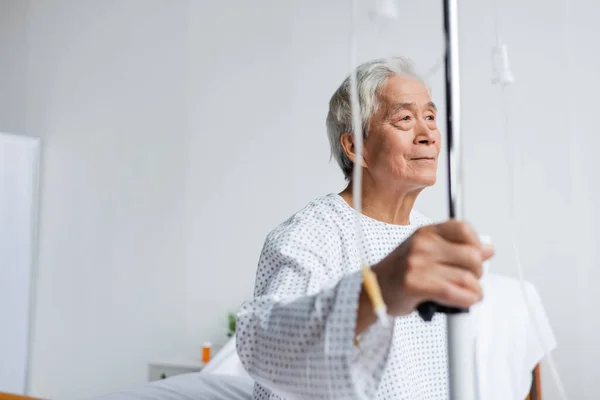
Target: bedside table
{"points": [[166, 369]]}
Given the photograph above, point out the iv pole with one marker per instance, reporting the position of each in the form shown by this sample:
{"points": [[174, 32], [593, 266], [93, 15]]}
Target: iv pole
{"points": [[461, 342]]}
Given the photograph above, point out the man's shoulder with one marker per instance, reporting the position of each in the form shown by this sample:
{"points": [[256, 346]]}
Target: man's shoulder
{"points": [[323, 213]]}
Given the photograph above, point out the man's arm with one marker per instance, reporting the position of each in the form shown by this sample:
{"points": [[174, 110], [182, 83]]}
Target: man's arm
{"points": [[301, 345]]}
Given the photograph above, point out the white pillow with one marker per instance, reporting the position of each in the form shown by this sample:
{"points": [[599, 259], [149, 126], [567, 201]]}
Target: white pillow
{"points": [[227, 362]]}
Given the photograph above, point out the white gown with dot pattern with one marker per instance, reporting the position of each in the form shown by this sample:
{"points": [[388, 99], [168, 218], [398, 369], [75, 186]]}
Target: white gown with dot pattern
{"points": [[295, 338]]}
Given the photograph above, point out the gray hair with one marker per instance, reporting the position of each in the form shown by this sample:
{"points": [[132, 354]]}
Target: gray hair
{"points": [[370, 77]]}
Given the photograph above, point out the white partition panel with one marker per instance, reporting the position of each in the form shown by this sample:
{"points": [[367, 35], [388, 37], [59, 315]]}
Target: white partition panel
{"points": [[19, 163]]}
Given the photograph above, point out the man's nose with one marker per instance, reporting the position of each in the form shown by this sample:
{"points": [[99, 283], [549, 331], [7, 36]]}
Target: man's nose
{"points": [[423, 135]]}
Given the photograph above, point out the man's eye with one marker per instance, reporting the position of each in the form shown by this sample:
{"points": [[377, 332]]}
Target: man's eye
{"points": [[430, 118], [407, 118]]}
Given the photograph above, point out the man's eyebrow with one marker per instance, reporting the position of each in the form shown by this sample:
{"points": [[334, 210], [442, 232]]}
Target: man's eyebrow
{"points": [[410, 106]]}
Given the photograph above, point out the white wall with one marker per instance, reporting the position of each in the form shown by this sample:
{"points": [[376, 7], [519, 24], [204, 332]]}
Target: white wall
{"points": [[105, 91], [179, 133], [13, 47]]}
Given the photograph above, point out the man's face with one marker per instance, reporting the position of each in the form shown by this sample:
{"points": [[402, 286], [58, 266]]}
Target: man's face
{"points": [[403, 142]]}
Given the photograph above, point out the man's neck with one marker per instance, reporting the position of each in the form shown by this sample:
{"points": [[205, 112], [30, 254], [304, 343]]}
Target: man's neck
{"points": [[383, 204]]}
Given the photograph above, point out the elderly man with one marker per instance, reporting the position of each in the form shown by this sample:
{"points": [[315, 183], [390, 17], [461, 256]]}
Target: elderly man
{"points": [[310, 331]]}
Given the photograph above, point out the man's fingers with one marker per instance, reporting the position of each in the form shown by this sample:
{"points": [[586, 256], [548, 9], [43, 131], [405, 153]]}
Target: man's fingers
{"points": [[458, 232], [463, 256], [452, 295], [487, 251], [460, 277], [453, 287]]}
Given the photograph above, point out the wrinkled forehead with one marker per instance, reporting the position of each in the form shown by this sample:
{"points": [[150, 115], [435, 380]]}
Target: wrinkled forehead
{"points": [[401, 92], [400, 89]]}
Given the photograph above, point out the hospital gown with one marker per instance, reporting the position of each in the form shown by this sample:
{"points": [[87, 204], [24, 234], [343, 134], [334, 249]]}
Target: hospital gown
{"points": [[296, 337]]}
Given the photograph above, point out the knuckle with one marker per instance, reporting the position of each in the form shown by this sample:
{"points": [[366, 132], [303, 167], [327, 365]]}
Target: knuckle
{"points": [[423, 229], [465, 279], [446, 293], [465, 228], [418, 273], [475, 262], [454, 224], [418, 235], [479, 271], [410, 283], [419, 246], [421, 242], [473, 257], [424, 232], [413, 265]]}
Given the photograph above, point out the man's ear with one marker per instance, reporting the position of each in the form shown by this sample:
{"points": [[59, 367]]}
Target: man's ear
{"points": [[347, 142]]}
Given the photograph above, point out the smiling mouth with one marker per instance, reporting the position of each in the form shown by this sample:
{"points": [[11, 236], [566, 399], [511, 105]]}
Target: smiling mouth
{"points": [[423, 159]]}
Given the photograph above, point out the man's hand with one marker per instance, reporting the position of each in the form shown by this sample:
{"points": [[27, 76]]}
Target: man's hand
{"points": [[440, 263]]}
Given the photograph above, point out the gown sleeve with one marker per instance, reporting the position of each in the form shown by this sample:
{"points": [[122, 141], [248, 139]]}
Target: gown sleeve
{"points": [[296, 337]]}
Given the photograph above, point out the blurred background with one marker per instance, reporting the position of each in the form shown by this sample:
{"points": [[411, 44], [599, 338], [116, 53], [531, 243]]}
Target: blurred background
{"points": [[154, 143]]}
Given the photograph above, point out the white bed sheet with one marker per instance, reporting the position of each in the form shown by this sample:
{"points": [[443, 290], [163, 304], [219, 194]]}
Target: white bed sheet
{"points": [[224, 378], [195, 386]]}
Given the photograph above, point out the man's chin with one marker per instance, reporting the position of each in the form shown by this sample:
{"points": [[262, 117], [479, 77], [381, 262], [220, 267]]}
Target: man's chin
{"points": [[416, 182], [426, 181]]}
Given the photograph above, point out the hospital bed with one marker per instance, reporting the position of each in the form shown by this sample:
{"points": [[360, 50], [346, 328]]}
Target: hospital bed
{"points": [[223, 378]]}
